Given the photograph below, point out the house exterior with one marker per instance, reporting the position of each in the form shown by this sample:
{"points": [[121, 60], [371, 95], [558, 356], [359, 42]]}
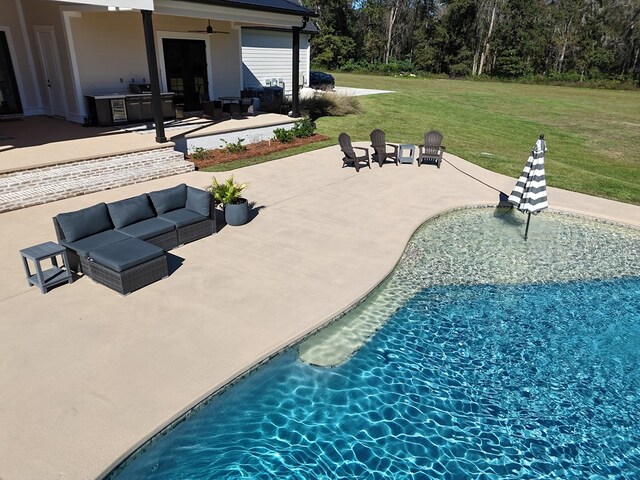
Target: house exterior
{"points": [[55, 53], [267, 55]]}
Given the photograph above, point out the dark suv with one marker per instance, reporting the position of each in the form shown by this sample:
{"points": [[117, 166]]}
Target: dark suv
{"points": [[321, 80]]}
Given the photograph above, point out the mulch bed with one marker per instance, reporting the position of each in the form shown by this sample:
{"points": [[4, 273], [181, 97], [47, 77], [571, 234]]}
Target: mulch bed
{"points": [[265, 147]]}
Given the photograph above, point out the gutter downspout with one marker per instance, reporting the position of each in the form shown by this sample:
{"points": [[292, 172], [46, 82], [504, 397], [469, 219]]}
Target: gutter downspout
{"points": [[152, 62]]}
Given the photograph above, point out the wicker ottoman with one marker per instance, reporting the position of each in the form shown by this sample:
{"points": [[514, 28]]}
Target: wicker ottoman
{"points": [[128, 265]]}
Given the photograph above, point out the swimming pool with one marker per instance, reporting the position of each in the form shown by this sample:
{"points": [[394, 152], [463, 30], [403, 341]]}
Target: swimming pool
{"points": [[527, 377]]}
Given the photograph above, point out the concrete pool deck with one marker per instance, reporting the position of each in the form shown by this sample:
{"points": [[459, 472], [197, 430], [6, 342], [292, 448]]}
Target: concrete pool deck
{"points": [[86, 375]]}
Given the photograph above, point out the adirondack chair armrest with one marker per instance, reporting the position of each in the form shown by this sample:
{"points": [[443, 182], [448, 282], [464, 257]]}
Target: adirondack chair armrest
{"points": [[395, 147], [362, 148]]}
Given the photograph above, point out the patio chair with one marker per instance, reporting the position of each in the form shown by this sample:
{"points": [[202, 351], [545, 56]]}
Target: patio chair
{"points": [[379, 146], [350, 155], [432, 150], [249, 105], [213, 110]]}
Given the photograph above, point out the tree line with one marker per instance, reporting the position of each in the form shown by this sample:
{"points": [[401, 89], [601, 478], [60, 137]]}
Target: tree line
{"points": [[564, 39]]}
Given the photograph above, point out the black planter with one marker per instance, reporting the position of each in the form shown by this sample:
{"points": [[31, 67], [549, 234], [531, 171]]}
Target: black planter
{"points": [[237, 213]]}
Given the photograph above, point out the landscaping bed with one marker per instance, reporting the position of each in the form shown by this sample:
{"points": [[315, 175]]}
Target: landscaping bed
{"points": [[253, 150]]}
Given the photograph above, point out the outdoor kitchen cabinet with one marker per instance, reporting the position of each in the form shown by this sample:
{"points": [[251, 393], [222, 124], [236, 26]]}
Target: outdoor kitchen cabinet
{"points": [[139, 108], [107, 110]]}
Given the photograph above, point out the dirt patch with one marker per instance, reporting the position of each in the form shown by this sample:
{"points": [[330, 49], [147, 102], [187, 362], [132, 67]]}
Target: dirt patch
{"points": [[265, 147]]}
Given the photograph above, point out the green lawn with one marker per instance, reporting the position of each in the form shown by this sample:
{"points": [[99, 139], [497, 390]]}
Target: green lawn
{"points": [[593, 136]]}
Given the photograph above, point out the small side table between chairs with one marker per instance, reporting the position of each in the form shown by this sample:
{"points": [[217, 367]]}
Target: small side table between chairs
{"points": [[406, 153], [50, 277]]}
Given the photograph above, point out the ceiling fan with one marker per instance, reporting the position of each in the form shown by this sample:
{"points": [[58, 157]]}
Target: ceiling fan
{"points": [[209, 30]]}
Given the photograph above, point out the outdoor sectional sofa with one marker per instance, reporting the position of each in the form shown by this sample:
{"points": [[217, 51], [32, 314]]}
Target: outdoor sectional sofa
{"points": [[122, 244]]}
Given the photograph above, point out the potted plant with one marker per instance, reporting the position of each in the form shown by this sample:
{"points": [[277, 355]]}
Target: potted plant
{"points": [[236, 208]]}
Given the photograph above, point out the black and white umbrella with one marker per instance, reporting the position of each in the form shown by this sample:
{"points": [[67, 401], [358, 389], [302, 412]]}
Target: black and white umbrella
{"points": [[530, 193]]}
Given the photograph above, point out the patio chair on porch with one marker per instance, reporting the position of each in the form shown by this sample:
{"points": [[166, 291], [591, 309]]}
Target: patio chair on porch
{"points": [[249, 105], [213, 110], [432, 150], [350, 155], [379, 146]]}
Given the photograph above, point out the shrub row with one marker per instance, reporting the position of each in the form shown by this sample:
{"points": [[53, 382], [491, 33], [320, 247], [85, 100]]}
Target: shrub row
{"points": [[301, 129]]}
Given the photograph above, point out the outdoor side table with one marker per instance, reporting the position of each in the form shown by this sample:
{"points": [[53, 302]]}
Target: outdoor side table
{"points": [[406, 153], [50, 277]]}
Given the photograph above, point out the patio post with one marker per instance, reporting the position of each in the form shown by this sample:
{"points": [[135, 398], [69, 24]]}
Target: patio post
{"points": [[152, 62], [295, 74]]}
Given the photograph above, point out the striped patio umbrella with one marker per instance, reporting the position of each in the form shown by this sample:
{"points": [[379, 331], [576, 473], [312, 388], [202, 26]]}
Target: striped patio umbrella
{"points": [[530, 193]]}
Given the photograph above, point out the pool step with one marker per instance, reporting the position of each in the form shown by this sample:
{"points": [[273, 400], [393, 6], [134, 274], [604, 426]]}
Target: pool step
{"points": [[36, 186]]}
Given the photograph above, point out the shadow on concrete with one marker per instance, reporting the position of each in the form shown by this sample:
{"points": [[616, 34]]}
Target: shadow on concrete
{"points": [[174, 262]]}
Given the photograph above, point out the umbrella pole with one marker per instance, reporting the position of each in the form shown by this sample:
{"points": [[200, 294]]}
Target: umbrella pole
{"points": [[526, 231]]}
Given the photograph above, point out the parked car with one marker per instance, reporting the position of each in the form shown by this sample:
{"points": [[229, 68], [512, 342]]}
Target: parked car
{"points": [[321, 80]]}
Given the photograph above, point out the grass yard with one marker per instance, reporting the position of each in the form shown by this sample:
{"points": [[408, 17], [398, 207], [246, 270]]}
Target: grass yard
{"points": [[593, 136]]}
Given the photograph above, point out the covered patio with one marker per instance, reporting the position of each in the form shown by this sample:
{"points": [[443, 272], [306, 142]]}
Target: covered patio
{"points": [[41, 141], [95, 61]]}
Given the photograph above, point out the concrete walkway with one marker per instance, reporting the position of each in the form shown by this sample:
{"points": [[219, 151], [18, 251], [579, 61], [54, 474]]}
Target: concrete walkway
{"points": [[86, 375]]}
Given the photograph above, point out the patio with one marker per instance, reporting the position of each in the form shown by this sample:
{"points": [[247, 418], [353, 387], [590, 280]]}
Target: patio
{"points": [[40, 141], [87, 375]]}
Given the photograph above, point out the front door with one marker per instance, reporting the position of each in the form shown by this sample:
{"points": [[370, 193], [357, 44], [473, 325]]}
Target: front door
{"points": [[54, 89], [9, 96], [185, 62]]}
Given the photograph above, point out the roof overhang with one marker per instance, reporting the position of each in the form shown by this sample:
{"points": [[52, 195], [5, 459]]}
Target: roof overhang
{"points": [[289, 7], [239, 14], [115, 4], [257, 13]]}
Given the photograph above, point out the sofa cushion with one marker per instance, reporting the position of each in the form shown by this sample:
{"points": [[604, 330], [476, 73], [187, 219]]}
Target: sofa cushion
{"points": [[198, 201], [85, 222], [130, 210], [182, 217], [85, 245], [126, 254], [151, 227], [169, 198]]}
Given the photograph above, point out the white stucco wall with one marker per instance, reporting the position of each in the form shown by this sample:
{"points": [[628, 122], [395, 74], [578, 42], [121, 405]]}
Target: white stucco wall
{"points": [[268, 54], [110, 47]]}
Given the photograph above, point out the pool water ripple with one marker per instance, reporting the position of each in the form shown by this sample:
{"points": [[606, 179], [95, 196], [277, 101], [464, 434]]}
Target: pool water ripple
{"points": [[465, 380], [482, 246]]}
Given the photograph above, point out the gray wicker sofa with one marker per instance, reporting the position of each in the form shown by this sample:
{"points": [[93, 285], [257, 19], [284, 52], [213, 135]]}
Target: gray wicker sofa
{"points": [[164, 218]]}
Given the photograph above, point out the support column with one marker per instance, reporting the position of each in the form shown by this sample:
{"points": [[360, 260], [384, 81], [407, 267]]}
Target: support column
{"points": [[295, 74], [152, 62]]}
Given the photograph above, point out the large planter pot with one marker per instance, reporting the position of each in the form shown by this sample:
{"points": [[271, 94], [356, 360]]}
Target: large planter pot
{"points": [[237, 213]]}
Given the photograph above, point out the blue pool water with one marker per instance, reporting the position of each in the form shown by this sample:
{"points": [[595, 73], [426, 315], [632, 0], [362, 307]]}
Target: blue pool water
{"points": [[465, 381]]}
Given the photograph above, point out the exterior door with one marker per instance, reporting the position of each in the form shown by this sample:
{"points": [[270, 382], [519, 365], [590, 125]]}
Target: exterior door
{"points": [[9, 96], [185, 63], [54, 88]]}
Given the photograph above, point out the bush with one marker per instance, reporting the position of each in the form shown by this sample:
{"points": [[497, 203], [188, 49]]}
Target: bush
{"points": [[283, 135], [304, 128], [329, 104], [200, 153], [235, 147]]}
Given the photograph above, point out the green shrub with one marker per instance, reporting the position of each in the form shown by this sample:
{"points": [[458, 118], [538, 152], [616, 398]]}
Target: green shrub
{"points": [[200, 153], [235, 147], [304, 128], [283, 135]]}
